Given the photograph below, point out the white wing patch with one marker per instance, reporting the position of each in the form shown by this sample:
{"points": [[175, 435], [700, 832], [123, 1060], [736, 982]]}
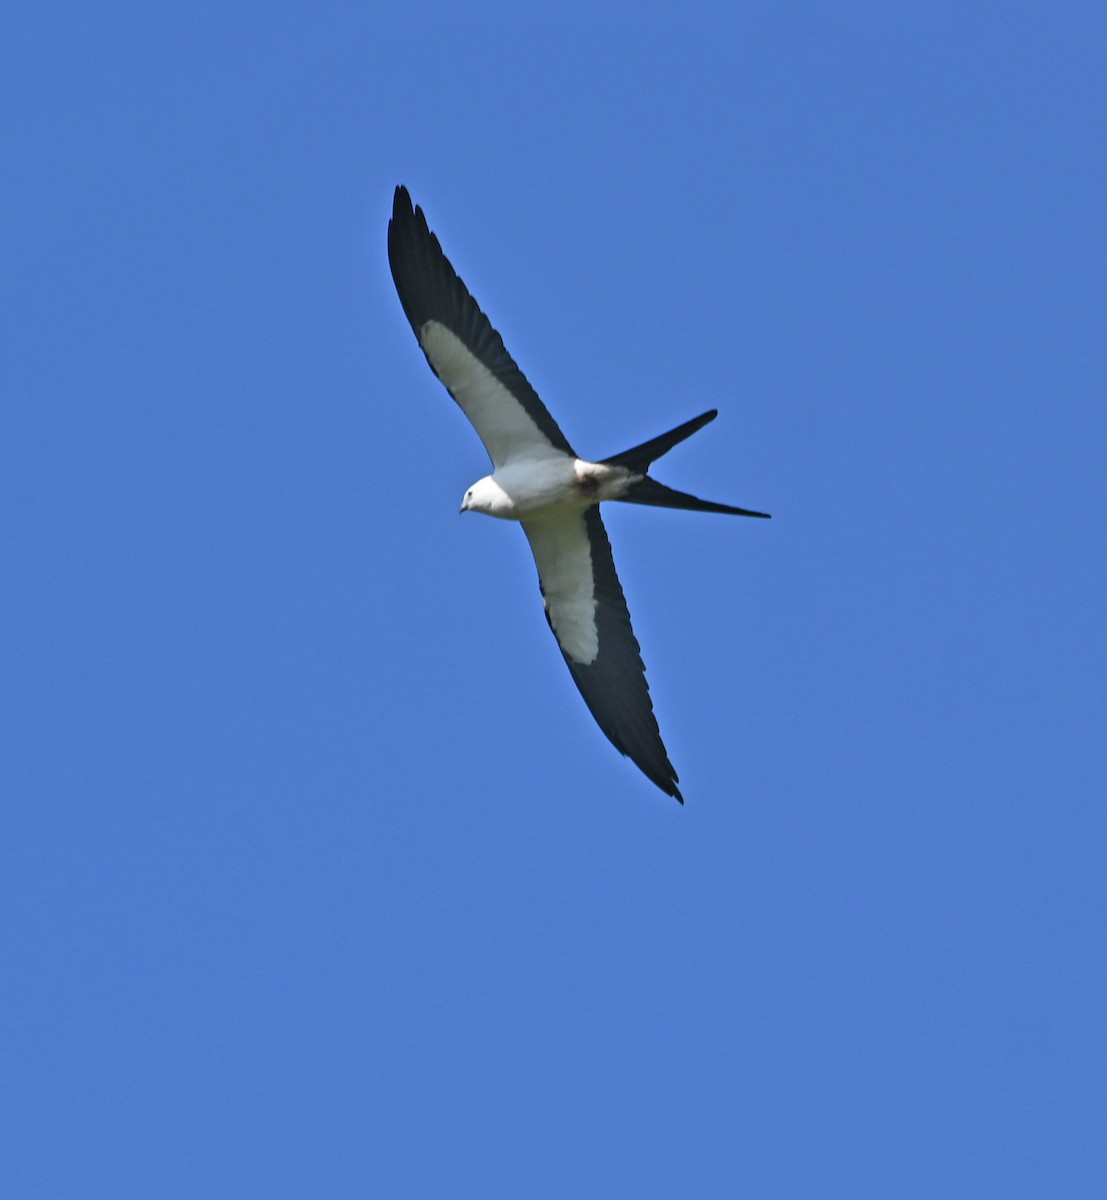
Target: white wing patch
{"points": [[502, 423], [563, 554]]}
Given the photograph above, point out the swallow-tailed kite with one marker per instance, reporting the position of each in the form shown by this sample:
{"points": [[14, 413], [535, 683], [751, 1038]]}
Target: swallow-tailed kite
{"points": [[539, 481]]}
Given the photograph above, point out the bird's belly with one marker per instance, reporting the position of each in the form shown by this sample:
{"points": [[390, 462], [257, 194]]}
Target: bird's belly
{"points": [[563, 483]]}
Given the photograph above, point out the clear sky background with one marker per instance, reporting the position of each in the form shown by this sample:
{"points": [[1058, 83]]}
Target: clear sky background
{"points": [[317, 878]]}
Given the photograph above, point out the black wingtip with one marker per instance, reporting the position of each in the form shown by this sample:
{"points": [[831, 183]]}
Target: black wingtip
{"points": [[660, 773], [660, 778], [402, 207], [665, 783]]}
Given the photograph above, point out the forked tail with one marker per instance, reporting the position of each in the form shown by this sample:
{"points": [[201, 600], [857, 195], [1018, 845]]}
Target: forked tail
{"points": [[639, 458], [649, 491]]}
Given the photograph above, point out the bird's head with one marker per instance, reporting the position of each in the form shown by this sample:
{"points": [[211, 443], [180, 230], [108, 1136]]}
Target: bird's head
{"points": [[486, 496]]}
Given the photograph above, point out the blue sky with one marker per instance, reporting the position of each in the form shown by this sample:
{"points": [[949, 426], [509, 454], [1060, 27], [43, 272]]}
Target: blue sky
{"points": [[317, 878]]}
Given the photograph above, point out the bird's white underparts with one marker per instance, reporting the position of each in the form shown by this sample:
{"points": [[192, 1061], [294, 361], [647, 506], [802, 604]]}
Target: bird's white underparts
{"points": [[539, 481], [526, 490]]}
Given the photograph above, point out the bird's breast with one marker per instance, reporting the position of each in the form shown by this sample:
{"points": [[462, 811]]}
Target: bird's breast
{"points": [[562, 482]]}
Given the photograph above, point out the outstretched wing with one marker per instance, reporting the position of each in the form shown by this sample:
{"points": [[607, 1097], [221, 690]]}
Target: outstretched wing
{"points": [[588, 614], [463, 349]]}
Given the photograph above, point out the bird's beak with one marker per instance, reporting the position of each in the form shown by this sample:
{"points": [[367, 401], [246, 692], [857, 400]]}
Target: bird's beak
{"points": [[461, 509]]}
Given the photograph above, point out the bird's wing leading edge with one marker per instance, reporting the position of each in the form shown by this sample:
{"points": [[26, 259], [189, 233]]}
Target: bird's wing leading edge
{"points": [[463, 349], [588, 614]]}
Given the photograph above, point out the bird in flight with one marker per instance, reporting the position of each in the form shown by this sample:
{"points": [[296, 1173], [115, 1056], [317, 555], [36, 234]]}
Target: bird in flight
{"points": [[541, 482]]}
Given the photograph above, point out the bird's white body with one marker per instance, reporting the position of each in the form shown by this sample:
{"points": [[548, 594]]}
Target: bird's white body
{"points": [[525, 489]]}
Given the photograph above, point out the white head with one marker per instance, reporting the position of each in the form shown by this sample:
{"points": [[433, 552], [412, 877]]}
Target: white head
{"points": [[486, 496]]}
